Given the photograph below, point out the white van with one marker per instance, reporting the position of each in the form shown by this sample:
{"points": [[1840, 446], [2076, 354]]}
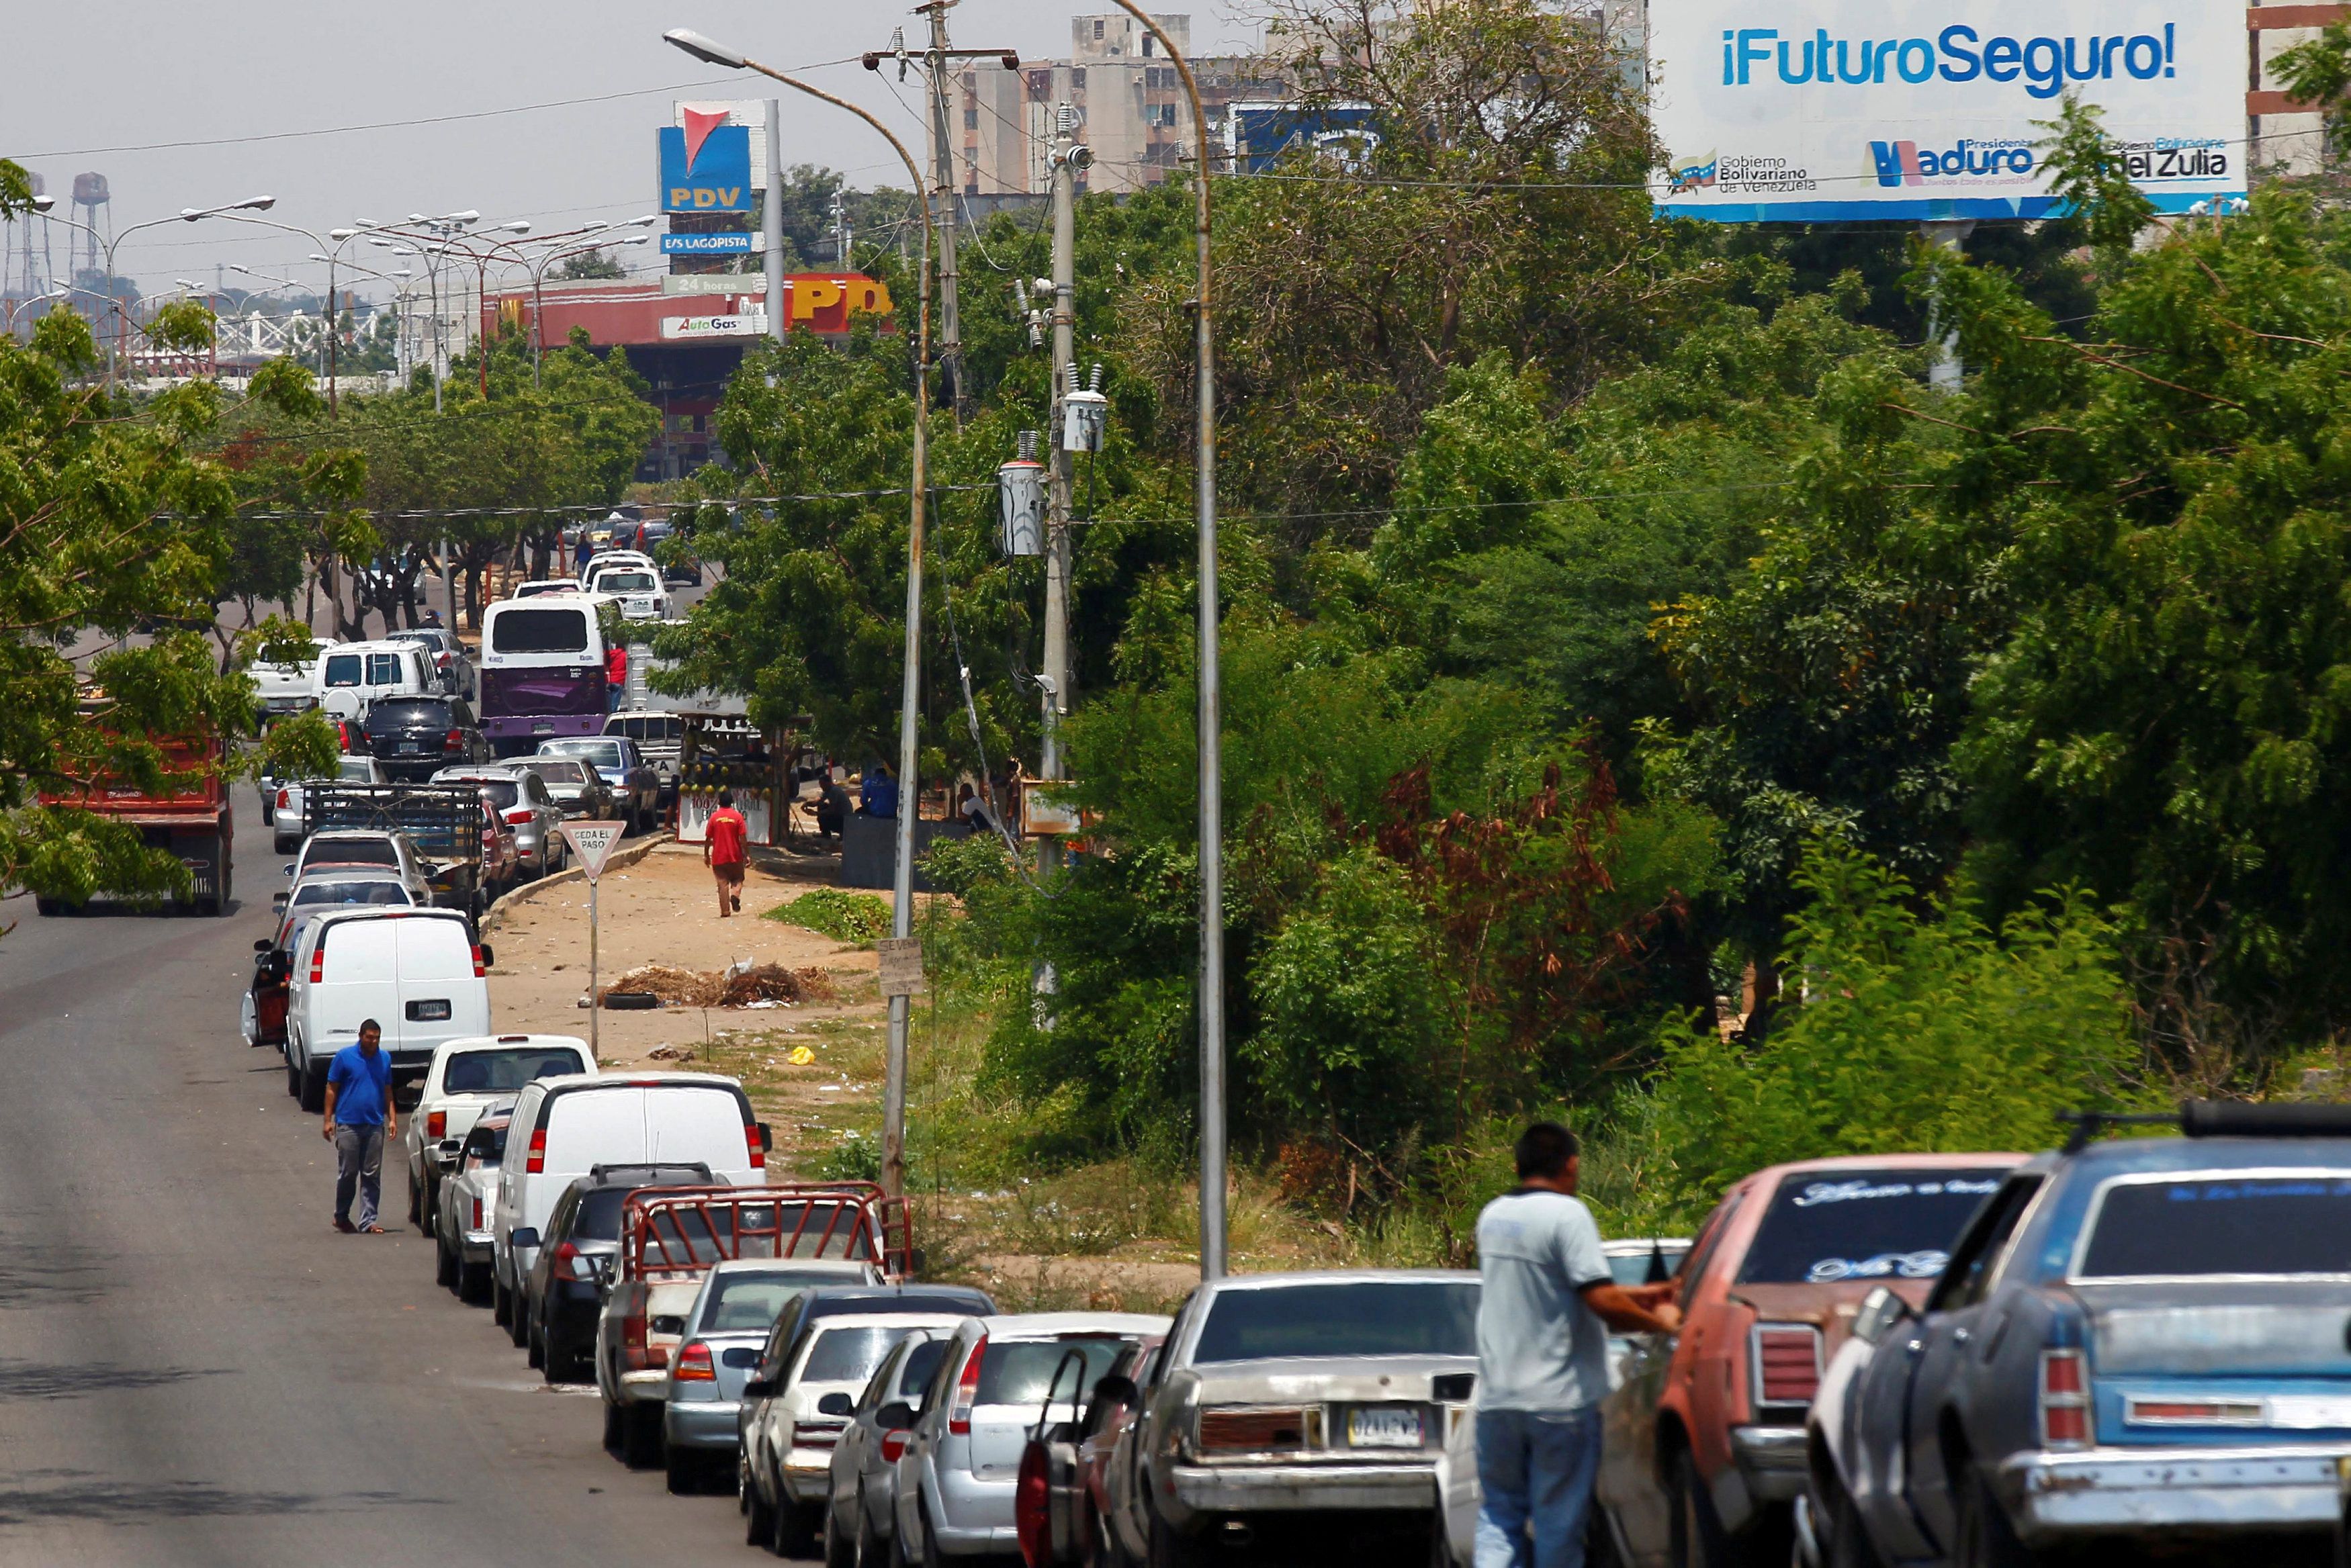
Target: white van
{"points": [[417, 973], [563, 1128], [371, 671]]}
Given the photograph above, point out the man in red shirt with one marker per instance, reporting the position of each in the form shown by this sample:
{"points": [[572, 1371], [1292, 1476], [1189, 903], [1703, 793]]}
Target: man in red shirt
{"points": [[616, 676], [722, 851]]}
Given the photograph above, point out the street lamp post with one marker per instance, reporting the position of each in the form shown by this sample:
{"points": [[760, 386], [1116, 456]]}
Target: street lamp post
{"points": [[15, 305], [186, 214], [902, 913], [539, 278]]}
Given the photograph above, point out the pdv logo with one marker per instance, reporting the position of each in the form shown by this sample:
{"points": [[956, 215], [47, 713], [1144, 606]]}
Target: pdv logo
{"points": [[706, 165]]}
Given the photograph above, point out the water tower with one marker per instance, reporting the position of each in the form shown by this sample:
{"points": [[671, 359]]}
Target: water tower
{"points": [[83, 250]]}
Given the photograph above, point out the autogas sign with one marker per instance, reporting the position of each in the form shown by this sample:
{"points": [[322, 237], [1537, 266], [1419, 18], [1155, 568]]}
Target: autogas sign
{"points": [[706, 165], [1803, 111]]}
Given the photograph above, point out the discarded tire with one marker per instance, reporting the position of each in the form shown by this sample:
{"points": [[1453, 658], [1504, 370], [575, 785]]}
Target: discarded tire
{"points": [[630, 1000]]}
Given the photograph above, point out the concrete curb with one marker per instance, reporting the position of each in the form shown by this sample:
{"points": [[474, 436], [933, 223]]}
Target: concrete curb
{"points": [[621, 859]]}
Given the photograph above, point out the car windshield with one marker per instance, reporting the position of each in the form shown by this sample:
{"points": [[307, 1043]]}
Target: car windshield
{"points": [[625, 583], [375, 891], [553, 771], [750, 1302], [598, 754], [1643, 1267], [1365, 1317], [1018, 1372], [850, 1353], [506, 1069], [2222, 1225], [411, 713], [356, 770], [1826, 1226], [352, 852]]}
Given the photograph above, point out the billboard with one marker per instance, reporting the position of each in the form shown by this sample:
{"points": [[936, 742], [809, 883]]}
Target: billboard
{"points": [[748, 112], [706, 165], [1258, 134], [728, 244], [1818, 110]]}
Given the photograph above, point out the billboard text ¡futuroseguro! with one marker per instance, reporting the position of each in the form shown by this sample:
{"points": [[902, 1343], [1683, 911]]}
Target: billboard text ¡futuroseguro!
{"points": [[1827, 109]]}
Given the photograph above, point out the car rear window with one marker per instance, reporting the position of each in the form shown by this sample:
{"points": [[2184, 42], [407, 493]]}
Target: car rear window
{"points": [[410, 713], [625, 583], [1876, 1225], [2222, 1225], [499, 793], [1018, 1372], [1371, 1317], [750, 1302], [370, 892], [850, 1353], [1649, 1267], [601, 754], [548, 630], [352, 852], [356, 770], [554, 770], [503, 1072]]}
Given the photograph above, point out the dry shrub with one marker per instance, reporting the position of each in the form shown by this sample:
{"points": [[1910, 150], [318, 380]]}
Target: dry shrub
{"points": [[715, 988]]}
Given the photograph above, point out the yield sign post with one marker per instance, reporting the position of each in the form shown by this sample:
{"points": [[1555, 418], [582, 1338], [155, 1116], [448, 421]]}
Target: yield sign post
{"points": [[592, 843]]}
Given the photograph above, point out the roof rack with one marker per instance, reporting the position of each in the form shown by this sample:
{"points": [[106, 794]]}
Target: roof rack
{"points": [[2215, 1118]]}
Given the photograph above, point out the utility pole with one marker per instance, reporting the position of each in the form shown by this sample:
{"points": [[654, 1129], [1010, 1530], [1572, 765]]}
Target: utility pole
{"points": [[772, 221], [939, 60], [841, 236], [1944, 373], [1059, 474]]}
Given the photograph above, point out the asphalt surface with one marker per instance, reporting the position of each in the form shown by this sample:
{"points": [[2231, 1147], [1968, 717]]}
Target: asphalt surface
{"points": [[194, 1367]]}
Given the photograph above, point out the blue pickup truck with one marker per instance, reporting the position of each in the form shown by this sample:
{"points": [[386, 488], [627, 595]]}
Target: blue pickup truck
{"points": [[2137, 1339]]}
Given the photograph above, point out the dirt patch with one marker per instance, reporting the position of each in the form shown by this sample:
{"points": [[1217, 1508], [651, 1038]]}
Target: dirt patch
{"points": [[728, 987]]}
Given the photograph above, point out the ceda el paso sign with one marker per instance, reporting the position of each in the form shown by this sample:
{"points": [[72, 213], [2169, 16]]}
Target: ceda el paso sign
{"points": [[706, 165]]}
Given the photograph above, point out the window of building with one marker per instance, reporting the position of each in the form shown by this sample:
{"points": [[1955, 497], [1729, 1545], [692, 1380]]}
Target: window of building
{"points": [[1147, 41], [1078, 75], [1098, 29]]}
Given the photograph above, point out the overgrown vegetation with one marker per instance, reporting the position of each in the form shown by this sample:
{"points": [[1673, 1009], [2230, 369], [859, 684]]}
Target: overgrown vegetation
{"points": [[830, 911]]}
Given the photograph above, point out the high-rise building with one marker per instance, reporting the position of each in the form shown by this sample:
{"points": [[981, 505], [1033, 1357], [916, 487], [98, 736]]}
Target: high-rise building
{"points": [[1130, 102]]}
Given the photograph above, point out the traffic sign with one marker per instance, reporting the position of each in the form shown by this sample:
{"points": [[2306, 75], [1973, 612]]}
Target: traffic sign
{"points": [[592, 842]]}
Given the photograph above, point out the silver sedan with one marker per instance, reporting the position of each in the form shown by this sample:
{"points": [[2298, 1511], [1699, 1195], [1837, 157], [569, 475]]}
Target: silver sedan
{"points": [[524, 802]]}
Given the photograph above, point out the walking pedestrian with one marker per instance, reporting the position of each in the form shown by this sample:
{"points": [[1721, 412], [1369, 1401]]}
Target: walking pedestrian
{"points": [[360, 1116], [1547, 1304], [722, 851], [616, 676]]}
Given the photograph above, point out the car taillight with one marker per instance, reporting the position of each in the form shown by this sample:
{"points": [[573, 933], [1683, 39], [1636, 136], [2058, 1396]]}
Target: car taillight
{"points": [[694, 1365], [535, 1161], [436, 1125], [1032, 1497], [751, 1140], [282, 795], [478, 1213], [894, 1444], [1787, 1363], [477, 974], [571, 1263], [967, 1390], [454, 741], [634, 1355], [2064, 1399], [319, 961], [1252, 1431], [520, 816]]}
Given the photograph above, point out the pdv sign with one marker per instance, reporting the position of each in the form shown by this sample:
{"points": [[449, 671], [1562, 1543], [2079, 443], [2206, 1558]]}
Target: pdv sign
{"points": [[706, 165]]}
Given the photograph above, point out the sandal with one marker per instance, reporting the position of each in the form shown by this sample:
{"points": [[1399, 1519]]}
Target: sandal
{"points": [[370, 1229]]}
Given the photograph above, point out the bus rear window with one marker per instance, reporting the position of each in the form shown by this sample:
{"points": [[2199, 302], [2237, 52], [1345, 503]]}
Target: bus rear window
{"points": [[539, 631]]}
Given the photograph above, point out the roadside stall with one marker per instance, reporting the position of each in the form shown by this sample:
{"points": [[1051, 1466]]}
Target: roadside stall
{"points": [[727, 751]]}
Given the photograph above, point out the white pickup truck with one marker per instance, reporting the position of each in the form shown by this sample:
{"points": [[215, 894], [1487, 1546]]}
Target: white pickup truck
{"points": [[468, 1076]]}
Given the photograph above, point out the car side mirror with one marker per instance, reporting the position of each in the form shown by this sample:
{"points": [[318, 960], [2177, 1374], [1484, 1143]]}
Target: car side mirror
{"points": [[835, 1405], [489, 957], [767, 1138], [450, 1147], [759, 1388], [262, 944], [895, 1416], [290, 868], [524, 1236], [277, 902], [1117, 1390], [1879, 1310]]}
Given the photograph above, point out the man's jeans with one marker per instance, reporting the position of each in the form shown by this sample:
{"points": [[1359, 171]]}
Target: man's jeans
{"points": [[359, 1160], [1536, 1470]]}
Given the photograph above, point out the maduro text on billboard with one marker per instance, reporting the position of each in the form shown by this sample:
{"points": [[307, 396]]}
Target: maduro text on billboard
{"points": [[1811, 111]]}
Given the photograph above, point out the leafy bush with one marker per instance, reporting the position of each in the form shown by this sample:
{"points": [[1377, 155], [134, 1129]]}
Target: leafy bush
{"points": [[844, 917], [1925, 1031]]}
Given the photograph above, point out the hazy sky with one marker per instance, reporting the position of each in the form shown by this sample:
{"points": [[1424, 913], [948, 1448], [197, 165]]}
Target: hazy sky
{"points": [[184, 105]]}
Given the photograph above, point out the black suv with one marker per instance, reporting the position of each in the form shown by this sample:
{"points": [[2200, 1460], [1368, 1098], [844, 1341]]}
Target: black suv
{"points": [[416, 737], [581, 1244]]}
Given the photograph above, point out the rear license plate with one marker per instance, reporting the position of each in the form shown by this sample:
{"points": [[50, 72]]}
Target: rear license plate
{"points": [[542, 729], [410, 748], [428, 1011], [1383, 1429]]}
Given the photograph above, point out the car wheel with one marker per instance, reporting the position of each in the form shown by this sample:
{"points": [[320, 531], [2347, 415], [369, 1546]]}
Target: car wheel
{"points": [[796, 1527], [416, 1207], [293, 1079], [1696, 1537], [873, 1552], [1983, 1536], [313, 1097], [518, 1319], [1169, 1549], [684, 1468], [444, 1265], [840, 1542], [472, 1283], [1848, 1544], [501, 1301], [534, 1349], [759, 1519], [640, 1436]]}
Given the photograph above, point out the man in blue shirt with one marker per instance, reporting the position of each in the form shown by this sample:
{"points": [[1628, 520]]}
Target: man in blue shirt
{"points": [[360, 1116], [1547, 1303], [880, 789]]}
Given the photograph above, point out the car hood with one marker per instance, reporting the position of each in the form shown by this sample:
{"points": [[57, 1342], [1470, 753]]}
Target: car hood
{"points": [[1360, 1379]]}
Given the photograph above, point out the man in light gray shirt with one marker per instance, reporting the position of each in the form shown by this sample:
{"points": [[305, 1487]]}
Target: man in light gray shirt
{"points": [[1548, 1303]]}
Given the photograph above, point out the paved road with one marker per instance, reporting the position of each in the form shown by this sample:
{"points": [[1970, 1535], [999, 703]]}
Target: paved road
{"points": [[194, 1369]]}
